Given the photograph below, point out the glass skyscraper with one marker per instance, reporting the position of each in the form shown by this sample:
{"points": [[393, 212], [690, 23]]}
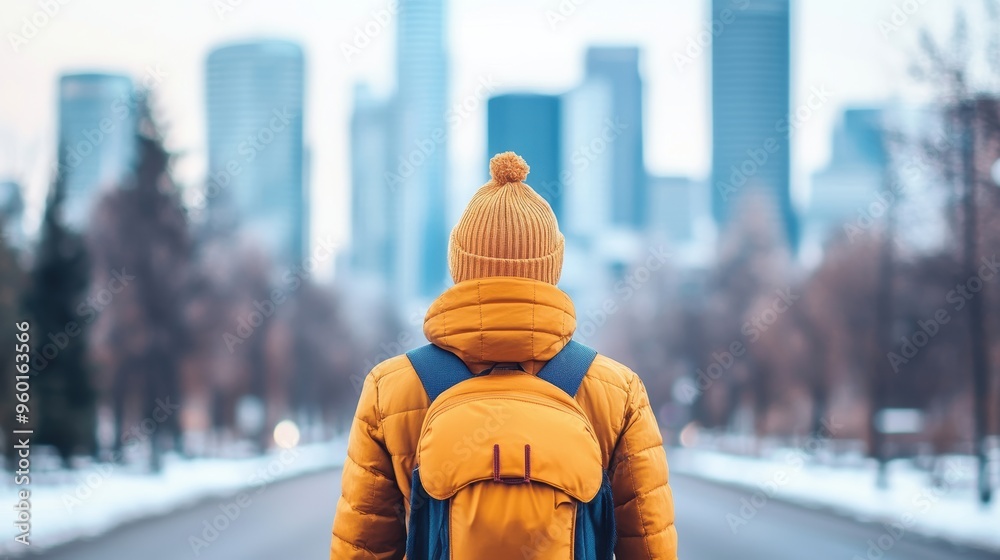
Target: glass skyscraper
{"points": [[588, 187], [618, 67], [853, 177], [371, 200], [97, 128], [418, 166], [750, 108], [255, 100], [531, 125]]}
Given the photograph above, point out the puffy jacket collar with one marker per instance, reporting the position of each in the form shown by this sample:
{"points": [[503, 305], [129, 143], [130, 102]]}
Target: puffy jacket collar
{"points": [[501, 319]]}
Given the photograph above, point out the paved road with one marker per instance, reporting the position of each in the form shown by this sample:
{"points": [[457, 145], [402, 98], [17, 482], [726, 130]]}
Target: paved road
{"points": [[291, 521]]}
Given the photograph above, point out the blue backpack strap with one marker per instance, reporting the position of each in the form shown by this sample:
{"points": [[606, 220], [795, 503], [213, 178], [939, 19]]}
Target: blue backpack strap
{"points": [[567, 368], [438, 369]]}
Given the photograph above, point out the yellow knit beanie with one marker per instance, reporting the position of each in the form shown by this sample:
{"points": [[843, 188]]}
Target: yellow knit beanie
{"points": [[507, 229]]}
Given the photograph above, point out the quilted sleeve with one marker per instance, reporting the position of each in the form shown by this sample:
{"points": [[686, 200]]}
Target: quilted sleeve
{"points": [[644, 506], [369, 520]]}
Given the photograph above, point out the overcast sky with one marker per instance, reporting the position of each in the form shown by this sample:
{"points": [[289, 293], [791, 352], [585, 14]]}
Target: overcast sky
{"points": [[518, 44]]}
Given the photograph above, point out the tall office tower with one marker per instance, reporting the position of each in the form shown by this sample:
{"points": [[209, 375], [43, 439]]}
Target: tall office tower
{"points": [[372, 203], [12, 214], [97, 128], [750, 110], [255, 100], [588, 193], [530, 124], [618, 67], [854, 175], [418, 166]]}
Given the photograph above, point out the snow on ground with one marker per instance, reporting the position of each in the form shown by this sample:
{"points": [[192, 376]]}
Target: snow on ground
{"points": [[76, 504], [911, 503], [68, 505]]}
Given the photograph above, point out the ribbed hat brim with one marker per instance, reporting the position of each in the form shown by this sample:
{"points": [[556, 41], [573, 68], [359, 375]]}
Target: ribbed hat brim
{"points": [[466, 266]]}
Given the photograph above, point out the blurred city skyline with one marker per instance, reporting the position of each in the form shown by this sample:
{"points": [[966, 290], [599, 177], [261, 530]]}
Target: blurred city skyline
{"points": [[676, 90], [781, 214]]}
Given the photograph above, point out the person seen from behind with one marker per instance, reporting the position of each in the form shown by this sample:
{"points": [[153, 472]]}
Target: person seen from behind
{"points": [[503, 438]]}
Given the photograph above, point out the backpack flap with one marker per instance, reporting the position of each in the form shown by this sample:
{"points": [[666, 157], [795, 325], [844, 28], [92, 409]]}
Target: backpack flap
{"points": [[510, 429]]}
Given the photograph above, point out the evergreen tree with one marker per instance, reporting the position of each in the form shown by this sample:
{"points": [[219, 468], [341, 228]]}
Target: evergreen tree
{"points": [[11, 287], [64, 412]]}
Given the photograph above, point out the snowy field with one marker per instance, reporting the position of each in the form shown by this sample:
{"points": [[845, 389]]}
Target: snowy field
{"points": [[911, 503], [68, 505]]}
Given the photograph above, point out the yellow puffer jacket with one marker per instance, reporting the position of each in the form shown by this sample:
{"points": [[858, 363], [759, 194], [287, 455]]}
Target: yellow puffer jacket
{"points": [[484, 322]]}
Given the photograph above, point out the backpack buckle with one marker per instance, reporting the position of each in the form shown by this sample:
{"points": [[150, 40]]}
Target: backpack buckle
{"points": [[511, 479]]}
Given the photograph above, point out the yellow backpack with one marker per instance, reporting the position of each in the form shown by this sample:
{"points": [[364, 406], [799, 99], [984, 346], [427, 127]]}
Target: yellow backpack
{"points": [[508, 464]]}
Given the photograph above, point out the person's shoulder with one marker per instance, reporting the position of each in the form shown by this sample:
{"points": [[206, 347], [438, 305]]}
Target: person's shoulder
{"points": [[398, 387], [391, 369], [612, 374]]}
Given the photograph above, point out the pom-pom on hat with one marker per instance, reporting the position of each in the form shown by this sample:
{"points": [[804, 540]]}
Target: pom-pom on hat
{"points": [[507, 229]]}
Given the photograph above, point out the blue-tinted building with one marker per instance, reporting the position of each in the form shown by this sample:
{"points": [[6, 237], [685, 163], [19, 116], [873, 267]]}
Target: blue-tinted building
{"points": [[372, 202], [673, 207], [255, 100], [418, 165], [531, 125], [97, 128], [750, 109], [859, 138], [853, 177], [588, 193], [618, 68]]}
